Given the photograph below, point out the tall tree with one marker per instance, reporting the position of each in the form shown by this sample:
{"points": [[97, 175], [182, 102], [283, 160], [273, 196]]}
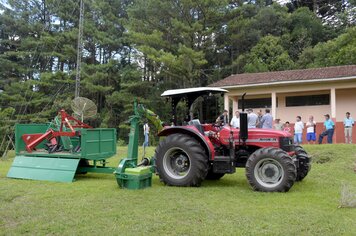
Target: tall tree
{"points": [[305, 30], [339, 51], [174, 37], [333, 12], [268, 55]]}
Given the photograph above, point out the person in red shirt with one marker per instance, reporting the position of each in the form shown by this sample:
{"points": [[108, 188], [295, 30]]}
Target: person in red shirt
{"points": [[286, 126]]}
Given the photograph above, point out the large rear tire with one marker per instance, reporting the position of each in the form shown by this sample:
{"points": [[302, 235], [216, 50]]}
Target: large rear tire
{"points": [[271, 170], [181, 161], [304, 163]]}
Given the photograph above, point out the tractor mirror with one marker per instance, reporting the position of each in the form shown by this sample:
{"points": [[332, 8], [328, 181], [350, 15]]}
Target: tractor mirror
{"points": [[243, 126]]}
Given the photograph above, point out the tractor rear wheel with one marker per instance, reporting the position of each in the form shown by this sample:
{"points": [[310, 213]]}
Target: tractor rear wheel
{"points": [[213, 176], [304, 164], [271, 170], [181, 161]]}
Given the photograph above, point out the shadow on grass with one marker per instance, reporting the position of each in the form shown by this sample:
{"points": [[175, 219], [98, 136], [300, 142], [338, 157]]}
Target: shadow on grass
{"points": [[91, 176], [227, 183]]}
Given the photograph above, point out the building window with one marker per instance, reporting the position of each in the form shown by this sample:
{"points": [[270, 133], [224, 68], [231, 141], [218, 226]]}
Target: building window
{"points": [[257, 103], [310, 100]]}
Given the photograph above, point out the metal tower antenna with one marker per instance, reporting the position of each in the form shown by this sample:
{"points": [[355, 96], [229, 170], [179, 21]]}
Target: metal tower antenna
{"points": [[79, 49]]}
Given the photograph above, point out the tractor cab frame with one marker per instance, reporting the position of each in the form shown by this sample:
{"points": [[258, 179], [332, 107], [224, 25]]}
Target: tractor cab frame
{"points": [[189, 96]]}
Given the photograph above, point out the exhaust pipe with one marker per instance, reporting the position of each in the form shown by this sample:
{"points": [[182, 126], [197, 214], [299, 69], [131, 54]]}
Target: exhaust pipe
{"points": [[243, 122]]}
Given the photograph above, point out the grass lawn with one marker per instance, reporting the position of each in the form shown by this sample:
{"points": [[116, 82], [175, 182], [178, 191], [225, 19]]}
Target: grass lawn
{"points": [[95, 205]]}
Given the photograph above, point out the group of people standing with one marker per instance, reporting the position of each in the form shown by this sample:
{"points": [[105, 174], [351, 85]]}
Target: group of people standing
{"points": [[254, 121], [311, 130], [328, 129], [265, 121]]}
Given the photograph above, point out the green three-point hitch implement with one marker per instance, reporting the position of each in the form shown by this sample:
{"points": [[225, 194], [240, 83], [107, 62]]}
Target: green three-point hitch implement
{"points": [[129, 174]]}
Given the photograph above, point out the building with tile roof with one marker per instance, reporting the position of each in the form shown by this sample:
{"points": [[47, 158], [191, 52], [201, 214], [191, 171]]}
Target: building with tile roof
{"points": [[317, 91]]}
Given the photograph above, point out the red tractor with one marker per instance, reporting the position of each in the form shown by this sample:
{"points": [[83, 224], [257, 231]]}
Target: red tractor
{"points": [[192, 152]]}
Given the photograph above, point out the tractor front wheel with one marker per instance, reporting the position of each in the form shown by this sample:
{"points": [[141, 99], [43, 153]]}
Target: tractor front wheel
{"points": [[304, 163], [181, 161], [271, 170]]}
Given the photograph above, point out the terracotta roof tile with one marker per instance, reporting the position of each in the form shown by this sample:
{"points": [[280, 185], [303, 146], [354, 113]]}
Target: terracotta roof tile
{"points": [[288, 75]]}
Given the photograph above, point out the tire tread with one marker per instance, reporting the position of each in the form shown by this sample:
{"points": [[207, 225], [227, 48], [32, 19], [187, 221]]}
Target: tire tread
{"points": [[271, 153], [200, 159]]}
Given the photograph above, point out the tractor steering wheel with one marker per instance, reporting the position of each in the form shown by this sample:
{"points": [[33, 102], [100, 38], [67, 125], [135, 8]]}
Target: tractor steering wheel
{"points": [[218, 125]]}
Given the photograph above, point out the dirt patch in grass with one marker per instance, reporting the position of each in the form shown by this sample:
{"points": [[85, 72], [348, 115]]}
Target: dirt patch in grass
{"points": [[322, 157], [348, 196], [10, 198]]}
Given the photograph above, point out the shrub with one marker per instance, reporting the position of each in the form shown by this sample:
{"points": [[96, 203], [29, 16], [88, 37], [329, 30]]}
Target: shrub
{"points": [[121, 142]]}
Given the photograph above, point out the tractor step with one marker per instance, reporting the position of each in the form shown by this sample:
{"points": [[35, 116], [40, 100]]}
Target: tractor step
{"points": [[42, 168], [223, 165]]}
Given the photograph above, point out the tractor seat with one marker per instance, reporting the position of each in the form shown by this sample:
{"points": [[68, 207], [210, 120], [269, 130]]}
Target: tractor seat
{"points": [[196, 124]]}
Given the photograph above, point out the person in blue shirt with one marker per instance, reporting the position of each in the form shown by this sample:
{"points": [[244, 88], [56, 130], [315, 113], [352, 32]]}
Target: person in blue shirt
{"points": [[267, 120], [348, 124], [329, 127]]}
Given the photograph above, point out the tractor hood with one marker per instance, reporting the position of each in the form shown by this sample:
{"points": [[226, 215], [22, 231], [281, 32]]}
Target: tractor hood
{"points": [[268, 133], [254, 135]]}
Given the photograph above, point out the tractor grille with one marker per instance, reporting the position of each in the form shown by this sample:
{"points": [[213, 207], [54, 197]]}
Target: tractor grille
{"points": [[286, 144]]}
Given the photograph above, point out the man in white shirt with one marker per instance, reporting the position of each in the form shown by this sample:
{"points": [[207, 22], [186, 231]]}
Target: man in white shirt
{"points": [[298, 131], [235, 121], [348, 124], [311, 133], [251, 119], [146, 132]]}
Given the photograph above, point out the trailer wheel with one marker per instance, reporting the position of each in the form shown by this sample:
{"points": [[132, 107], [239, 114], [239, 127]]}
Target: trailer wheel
{"points": [[304, 163], [213, 176], [271, 170], [181, 161], [82, 163]]}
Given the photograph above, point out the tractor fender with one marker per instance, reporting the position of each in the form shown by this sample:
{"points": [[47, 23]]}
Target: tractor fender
{"points": [[192, 131]]}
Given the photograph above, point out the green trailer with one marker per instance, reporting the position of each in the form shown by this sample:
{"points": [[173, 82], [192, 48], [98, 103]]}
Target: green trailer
{"points": [[86, 153], [56, 151]]}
